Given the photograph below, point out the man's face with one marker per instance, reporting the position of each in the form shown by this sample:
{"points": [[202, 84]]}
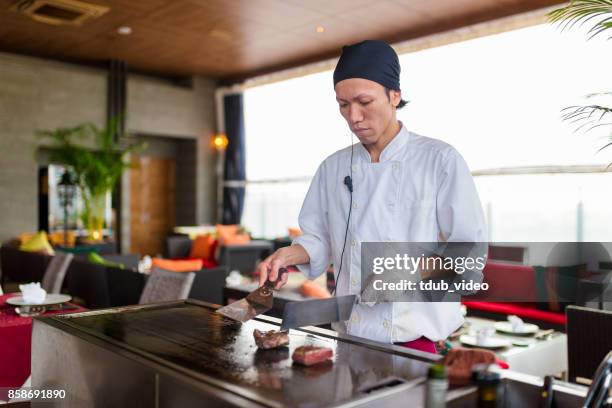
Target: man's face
{"points": [[365, 106]]}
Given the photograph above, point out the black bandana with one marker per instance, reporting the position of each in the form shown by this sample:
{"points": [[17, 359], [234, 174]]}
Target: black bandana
{"points": [[371, 59]]}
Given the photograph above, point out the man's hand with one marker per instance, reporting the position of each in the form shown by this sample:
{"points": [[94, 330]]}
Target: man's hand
{"points": [[283, 257]]}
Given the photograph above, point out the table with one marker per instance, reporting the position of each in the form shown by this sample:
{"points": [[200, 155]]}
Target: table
{"points": [[540, 358], [16, 343]]}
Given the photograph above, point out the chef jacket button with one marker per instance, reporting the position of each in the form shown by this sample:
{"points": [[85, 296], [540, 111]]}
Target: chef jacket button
{"points": [[353, 242], [354, 282], [355, 206], [395, 166], [355, 167], [386, 324]]}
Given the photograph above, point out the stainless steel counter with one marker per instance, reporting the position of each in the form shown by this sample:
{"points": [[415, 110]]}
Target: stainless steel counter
{"points": [[146, 354], [183, 354]]}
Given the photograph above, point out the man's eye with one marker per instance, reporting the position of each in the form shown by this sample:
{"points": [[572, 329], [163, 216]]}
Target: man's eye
{"points": [[343, 105], [365, 102]]}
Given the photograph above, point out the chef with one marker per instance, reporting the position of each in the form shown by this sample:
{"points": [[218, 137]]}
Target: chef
{"points": [[395, 186]]}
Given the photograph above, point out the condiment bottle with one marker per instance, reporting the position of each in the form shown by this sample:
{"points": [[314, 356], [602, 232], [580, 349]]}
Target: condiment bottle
{"points": [[490, 394], [436, 387]]}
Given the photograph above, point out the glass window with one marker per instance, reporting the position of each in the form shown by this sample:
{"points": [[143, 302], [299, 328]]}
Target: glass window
{"points": [[497, 99]]}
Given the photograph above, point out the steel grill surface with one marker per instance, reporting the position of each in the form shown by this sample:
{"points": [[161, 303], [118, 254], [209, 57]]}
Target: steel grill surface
{"points": [[223, 351]]}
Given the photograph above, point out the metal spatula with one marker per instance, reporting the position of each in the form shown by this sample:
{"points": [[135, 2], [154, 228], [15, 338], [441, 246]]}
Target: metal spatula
{"points": [[255, 303]]}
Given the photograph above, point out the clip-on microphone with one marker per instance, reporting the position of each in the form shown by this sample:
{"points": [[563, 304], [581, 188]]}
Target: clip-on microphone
{"points": [[348, 182]]}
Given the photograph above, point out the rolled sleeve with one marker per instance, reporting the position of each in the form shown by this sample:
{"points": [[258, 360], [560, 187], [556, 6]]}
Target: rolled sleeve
{"points": [[313, 223]]}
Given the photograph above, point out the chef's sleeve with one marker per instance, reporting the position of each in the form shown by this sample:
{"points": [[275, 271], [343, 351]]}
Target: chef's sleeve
{"points": [[460, 217], [458, 207], [315, 231]]}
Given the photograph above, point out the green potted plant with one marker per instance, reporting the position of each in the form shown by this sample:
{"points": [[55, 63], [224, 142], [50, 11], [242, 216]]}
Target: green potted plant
{"points": [[96, 166], [598, 13]]}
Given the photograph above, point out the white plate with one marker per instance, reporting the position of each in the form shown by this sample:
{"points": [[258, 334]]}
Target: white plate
{"points": [[50, 299], [506, 327], [492, 342]]}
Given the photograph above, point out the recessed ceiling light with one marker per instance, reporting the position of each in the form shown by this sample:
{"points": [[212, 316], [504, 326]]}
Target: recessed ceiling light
{"points": [[320, 29], [124, 30], [220, 34]]}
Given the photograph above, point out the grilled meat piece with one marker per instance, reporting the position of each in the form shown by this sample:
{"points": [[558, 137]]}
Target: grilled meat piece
{"points": [[270, 339], [309, 355], [461, 360]]}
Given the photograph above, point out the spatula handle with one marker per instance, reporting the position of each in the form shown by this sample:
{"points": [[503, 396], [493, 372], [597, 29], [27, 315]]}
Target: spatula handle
{"points": [[270, 284]]}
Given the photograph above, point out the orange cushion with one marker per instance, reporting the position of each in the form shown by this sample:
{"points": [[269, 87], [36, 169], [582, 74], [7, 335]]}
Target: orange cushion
{"points": [[294, 232], [314, 290], [238, 239], [57, 238], [191, 265], [202, 247], [224, 231]]}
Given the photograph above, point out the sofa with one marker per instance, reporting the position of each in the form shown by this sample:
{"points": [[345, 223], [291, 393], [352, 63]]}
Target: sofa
{"points": [[242, 258], [100, 286], [526, 291]]}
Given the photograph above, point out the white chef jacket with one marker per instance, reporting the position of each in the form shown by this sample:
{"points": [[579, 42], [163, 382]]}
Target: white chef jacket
{"points": [[421, 190]]}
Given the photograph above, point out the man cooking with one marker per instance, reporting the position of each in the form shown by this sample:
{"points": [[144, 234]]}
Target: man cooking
{"points": [[395, 185]]}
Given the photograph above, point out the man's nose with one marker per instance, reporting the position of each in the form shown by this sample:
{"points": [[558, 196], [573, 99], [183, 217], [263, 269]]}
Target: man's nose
{"points": [[355, 115]]}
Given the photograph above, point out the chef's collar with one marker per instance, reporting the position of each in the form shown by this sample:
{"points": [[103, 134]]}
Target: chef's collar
{"points": [[392, 150]]}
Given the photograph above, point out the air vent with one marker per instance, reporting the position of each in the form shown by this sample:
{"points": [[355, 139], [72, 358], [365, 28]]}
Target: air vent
{"points": [[60, 12]]}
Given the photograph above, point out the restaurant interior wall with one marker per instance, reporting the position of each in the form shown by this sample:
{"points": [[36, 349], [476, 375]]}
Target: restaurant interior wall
{"points": [[43, 94]]}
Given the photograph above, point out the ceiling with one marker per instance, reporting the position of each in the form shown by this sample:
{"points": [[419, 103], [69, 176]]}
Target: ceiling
{"points": [[237, 39]]}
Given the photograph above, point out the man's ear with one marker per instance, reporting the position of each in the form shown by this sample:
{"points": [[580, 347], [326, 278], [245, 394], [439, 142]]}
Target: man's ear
{"points": [[396, 97]]}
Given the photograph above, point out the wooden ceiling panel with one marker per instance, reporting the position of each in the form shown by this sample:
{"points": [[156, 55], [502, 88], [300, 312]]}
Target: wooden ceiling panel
{"points": [[392, 18], [235, 39], [336, 8], [279, 14]]}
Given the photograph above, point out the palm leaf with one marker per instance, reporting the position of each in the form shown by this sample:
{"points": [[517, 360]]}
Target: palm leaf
{"points": [[97, 170], [583, 11]]}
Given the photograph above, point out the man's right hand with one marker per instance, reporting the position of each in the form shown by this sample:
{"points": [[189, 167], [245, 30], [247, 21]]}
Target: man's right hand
{"points": [[283, 257]]}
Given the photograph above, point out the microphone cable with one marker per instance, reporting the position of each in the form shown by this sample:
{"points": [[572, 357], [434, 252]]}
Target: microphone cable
{"points": [[348, 181]]}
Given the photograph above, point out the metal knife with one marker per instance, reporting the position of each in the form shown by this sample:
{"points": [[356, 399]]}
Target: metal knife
{"points": [[317, 311]]}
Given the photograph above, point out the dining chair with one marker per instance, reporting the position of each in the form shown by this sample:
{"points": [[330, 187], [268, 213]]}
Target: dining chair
{"points": [[208, 285], [87, 283], [244, 258], [55, 272], [164, 285], [589, 339], [125, 286]]}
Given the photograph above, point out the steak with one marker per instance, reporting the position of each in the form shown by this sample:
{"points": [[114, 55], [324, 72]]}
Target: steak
{"points": [[460, 361], [309, 355], [270, 339]]}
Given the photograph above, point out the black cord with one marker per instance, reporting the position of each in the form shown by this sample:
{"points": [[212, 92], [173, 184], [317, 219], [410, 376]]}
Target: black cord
{"points": [[348, 220]]}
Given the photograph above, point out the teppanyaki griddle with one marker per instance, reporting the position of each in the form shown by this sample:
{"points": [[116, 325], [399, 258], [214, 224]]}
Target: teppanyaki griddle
{"points": [[191, 337]]}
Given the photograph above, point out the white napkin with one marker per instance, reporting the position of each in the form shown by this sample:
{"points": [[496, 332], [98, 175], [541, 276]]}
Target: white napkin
{"points": [[33, 293], [145, 264], [233, 279], [483, 335], [516, 323]]}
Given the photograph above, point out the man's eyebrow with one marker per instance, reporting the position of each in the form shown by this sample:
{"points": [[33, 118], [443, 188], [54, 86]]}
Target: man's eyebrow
{"points": [[356, 97]]}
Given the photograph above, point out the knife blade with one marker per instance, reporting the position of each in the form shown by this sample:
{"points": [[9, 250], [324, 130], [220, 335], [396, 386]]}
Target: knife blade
{"points": [[317, 311]]}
